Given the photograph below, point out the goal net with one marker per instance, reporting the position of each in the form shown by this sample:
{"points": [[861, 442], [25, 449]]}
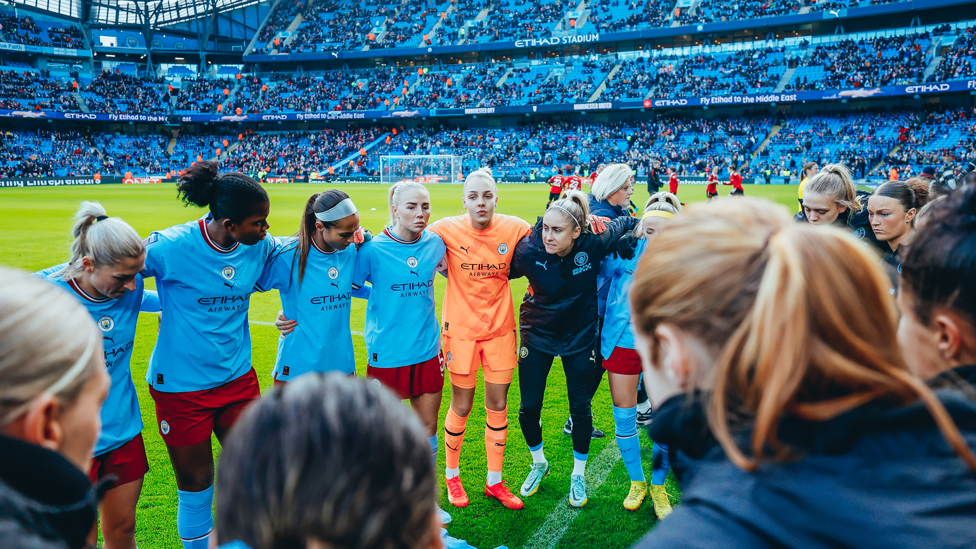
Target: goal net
{"points": [[426, 169]]}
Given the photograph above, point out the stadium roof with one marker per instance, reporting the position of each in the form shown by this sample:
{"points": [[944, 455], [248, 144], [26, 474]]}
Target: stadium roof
{"points": [[137, 12]]}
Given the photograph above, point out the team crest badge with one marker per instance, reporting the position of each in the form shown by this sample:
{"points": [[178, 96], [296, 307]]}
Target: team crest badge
{"points": [[228, 272], [449, 357], [580, 259], [502, 249], [858, 233], [524, 352], [106, 324], [164, 427], [412, 262], [333, 273]]}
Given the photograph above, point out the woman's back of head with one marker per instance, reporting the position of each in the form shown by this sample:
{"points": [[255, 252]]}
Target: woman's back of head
{"points": [[794, 319], [327, 459]]}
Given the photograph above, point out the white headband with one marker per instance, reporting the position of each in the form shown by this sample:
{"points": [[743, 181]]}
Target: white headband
{"points": [[569, 214], [345, 208]]}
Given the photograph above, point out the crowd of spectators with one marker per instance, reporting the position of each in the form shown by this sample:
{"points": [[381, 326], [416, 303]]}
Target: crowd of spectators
{"points": [[119, 93], [629, 15], [48, 154], [882, 61], [632, 81], [745, 71], [139, 154], [453, 29], [713, 11], [202, 96], [959, 61], [515, 19], [332, 26], [283, 15], [299, 153], [67, 36], [939, 138], [19, 30], [36, 91]]}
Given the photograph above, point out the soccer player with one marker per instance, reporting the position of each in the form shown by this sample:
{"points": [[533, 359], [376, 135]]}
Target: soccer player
{"points": [[673, 180], [403, 340], [575, 181], [313, 274], [107, 256], [555, 186], [711, 191], [735, 179], [200, 372], [561, 258], [479, 328], [623, 365]]}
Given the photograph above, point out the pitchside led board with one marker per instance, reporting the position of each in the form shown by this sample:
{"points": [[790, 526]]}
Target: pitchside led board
{"points": [[427, 169]]}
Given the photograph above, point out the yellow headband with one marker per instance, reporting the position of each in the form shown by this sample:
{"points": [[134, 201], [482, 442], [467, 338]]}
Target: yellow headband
{"points": [[657, 213]]}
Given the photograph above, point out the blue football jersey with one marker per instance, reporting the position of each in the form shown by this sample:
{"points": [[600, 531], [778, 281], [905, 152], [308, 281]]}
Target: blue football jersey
{"points": [[401, 327], [617, 331], [322, 340], [116, 318], [204, 340]]}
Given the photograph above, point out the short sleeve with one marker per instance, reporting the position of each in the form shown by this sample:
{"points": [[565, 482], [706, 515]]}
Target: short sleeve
{"points": [[155, 256], [277, 269], [150, 302], [361, 273], [51, 271]]}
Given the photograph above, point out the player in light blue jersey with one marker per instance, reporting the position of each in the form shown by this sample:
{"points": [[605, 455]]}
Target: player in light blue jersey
{"points": [[313, 275], [107, 256], [402, 333], [623, 365], [200, 372]]}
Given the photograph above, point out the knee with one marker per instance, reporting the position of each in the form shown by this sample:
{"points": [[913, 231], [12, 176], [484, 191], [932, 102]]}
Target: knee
{"points": [[581, 411], [497, 404], [120, 531], [462, 409], [195, 481], [527, 410]]}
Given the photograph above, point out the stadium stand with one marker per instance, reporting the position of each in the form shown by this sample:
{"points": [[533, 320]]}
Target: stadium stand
{"points": [[33, 90], [117, 93], [48, 154]]}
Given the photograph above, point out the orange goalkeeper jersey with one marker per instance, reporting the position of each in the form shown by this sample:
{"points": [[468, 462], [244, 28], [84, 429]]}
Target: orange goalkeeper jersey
{"points": [[478, 303]]}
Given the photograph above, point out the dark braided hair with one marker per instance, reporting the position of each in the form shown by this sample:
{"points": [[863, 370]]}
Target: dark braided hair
{"points": [[232, 196]]}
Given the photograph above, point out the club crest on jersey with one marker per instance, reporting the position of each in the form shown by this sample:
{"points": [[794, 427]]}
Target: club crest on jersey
{"points": [[228, 272], [858, 233], [502, 249], [524, 352], [412, 262], [106, 324], [333, 273], [164, 427], [449, 357], [580, 259]]}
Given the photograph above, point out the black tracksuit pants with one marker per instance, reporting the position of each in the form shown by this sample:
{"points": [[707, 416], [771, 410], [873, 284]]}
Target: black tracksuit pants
{"points": [[581, 370]]}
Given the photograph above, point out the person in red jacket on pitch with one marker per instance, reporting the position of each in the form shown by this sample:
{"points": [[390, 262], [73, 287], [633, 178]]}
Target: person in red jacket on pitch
{"points": [[673, 180], [735, 179], [556, 182], [712, 190]]}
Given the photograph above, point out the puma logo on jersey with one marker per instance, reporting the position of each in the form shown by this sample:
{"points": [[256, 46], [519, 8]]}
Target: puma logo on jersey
{"points": [[543, 265], [336, 285], [414, 273], [465, 250], [109, 339], [229, 285]]}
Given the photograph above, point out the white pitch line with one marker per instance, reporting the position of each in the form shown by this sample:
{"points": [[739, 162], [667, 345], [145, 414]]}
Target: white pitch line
{"points": [[558, 522], [262, 323]]}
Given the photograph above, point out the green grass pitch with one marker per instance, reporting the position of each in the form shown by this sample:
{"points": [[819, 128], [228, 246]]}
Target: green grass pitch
{"points": [[35, 234]]}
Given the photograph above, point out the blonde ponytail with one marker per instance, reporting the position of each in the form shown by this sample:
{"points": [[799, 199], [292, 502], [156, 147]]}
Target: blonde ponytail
{"points": [[835, 182], [575, 206], [48, 343], [395, 194], [106, 240], [659, 202]]}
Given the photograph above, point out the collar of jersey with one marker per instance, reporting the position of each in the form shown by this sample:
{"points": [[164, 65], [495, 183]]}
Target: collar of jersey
{"points": [[316, 246], [211, 243], [81, 291], [396, 238]]}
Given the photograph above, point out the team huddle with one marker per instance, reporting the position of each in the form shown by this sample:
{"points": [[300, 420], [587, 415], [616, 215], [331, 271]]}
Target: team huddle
{"points": [[200, 373]]}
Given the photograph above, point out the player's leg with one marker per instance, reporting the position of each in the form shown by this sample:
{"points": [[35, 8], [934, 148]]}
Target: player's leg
{"points": [[117, 515], [464, 380], [426, 388], [580, 370], [533, 368], [186, 422], [499, 359], [623, 391], [659, 474], [117, 510]]}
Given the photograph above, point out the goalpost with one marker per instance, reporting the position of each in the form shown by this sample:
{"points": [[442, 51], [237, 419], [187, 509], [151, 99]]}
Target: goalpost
{"points": [[424, 168]]}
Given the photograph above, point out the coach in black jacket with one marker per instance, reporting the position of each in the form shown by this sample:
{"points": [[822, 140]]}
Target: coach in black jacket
{"points": [[558, 316]]}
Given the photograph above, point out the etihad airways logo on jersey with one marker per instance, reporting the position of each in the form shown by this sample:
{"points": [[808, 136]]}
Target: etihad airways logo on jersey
{"points": [[332, 302], [225, 303], [410, 289], [484, 269], [115, 352]]}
